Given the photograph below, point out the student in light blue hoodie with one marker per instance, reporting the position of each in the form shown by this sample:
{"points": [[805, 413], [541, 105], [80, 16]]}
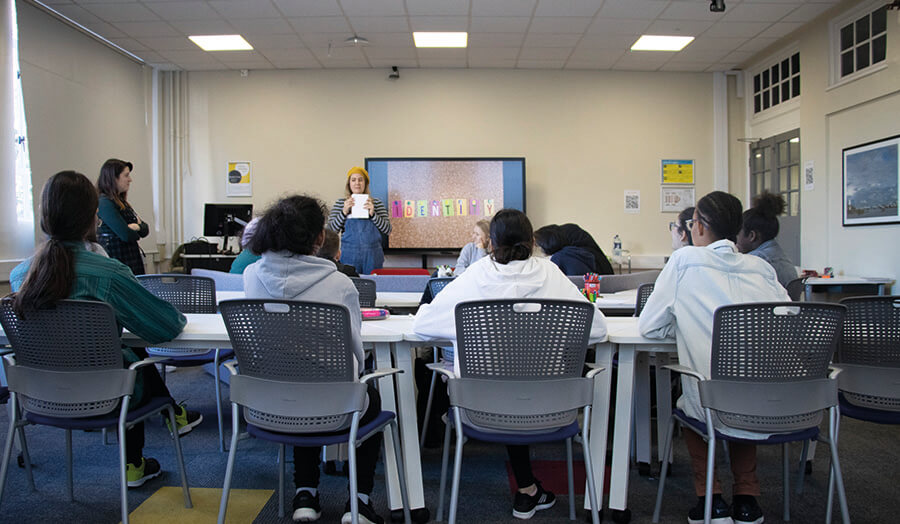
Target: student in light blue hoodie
{"points": [[288, 236]]}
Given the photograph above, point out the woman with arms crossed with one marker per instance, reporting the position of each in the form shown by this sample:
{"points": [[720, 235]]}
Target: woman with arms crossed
{"points": [[122, 227]]}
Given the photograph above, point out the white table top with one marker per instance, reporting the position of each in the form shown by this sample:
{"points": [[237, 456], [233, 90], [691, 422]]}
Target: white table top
{"points": [[847, 280], [624, 330], [382, 298], [624, 300]]}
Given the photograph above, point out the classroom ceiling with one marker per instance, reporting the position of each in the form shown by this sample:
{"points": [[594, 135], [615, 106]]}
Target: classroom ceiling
{"points": [[506, 34]]}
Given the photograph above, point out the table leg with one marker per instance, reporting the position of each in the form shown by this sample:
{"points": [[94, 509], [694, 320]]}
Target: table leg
{"points": [[409, 433], [600, 420], [663, 401], [618, 489], [388, 403], [642, 412]]}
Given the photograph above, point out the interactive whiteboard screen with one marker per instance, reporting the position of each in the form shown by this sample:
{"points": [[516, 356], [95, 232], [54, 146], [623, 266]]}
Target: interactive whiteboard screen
{"points": [[434, 203]]}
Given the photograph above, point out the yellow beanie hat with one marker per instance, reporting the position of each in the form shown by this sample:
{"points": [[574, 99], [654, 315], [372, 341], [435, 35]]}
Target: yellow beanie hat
{"points": [[359, 170]]}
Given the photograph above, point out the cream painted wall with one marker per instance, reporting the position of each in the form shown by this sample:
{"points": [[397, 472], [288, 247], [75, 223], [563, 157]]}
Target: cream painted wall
{"points": [[84, 103], [586, 136], [831, 119]]}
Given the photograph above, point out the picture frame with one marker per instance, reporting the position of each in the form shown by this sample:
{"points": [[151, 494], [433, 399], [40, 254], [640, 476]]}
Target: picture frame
{"points": [[871, 183], [675, 199]]}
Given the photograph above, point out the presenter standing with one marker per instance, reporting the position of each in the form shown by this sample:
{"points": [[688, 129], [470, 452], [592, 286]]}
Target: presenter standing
{"points": [[362, 222], [121, 226]]}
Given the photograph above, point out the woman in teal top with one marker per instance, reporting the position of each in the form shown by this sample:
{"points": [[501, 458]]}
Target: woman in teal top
{"points": [[63, 268]]}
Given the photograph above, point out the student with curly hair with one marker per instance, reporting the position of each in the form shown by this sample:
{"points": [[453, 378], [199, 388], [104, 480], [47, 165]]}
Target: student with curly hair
{"points": [[758, 232]]}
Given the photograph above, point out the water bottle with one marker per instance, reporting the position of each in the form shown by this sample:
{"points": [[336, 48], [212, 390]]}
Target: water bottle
{"points": [[617, 246]]}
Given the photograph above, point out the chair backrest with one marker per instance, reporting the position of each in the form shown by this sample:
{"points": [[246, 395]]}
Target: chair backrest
{"points": [[224, 281], [522, 345], [68, 358], [795, 288], [366, 289], [643, 293], [188, 293], [780, 347], [435, 285], [292, 346]]}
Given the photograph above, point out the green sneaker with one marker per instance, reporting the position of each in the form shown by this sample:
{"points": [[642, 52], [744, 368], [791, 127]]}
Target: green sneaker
{"points": [[138, 475], [185, 420]]}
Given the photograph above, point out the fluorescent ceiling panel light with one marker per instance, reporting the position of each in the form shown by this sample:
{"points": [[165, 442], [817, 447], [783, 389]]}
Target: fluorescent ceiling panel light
{"points": [[661, 43], [436, 39], [221, 42]]}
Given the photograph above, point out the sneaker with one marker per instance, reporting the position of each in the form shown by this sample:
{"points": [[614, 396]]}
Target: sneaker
{"points": [[137, 475], [721, 511], [367, 515], [525, 506], [185, 420], [306, 507], [745, 510]]}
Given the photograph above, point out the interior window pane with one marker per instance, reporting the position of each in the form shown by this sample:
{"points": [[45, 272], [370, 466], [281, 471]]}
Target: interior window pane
{"points": [[846, 37], [785, 68], [795, 64], [776, 95], [782, 153], [879, 21], [767, 158], [775, 76], [787, 202], [768, 179], [765, 79], [862, 29], [794, 151], [795, 204], [847, 63], [757, 103], [785, 91], [862, 56], [756, 83], [783, 179], [795, 177], [795, 87], [879, 49], [765, 96]]}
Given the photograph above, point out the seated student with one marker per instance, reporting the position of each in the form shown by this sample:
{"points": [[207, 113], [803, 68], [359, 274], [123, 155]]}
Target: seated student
{"points": [[758, 232], [245, 257], [575, 236], [475, 250], [572, 260], [331, 250], [288, 236], [681, 234], [65, 267], [509, 272], [694, 282]]}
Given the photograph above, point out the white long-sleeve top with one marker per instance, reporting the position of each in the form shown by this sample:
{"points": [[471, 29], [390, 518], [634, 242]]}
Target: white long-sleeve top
{"points": [[486, 279], [694, 282]]}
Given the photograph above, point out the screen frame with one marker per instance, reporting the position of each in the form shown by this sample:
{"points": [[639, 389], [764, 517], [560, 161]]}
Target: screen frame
{"points": [[438, 250]]}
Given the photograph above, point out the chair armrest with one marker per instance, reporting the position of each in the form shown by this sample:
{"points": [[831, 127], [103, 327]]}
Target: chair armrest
{"points": [[379, 373], [595, 370], [440, 367], [6, 351], [147, 362], [231, 366], [678, 368], [835, 370]]}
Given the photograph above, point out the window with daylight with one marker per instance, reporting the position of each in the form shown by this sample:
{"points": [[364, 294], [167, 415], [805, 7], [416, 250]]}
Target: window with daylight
{"points": [[859, 42], [777, 83], [24, 208]]}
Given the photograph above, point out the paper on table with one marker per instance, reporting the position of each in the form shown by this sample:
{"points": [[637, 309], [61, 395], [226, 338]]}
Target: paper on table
{"points": [[358, 211]]}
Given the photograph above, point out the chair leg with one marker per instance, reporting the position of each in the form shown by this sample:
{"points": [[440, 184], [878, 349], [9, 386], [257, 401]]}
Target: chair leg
{"points": [[69, 482], [457, 467], [351, 460], [398, 455], [836, 465], [179, 457], [445, 457], [786, 481], [7, 446], [25, 455], [570, 478], [801, 472], [219, 402], [589, 468], [281, 480], [665, 469], [428, 406], [710, 467], [123, 488], [229, 468]]}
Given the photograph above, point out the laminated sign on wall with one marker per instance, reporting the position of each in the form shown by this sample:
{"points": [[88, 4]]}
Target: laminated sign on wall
{"points": [[237, 180]]}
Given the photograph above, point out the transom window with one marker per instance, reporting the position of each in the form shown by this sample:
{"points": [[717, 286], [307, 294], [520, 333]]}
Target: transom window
{"points": [[859, 41], [777, 83]]}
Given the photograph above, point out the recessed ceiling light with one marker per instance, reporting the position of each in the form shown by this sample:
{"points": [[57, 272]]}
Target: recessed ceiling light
{"points": [[661, 43], [436, 39], [221, 42]]}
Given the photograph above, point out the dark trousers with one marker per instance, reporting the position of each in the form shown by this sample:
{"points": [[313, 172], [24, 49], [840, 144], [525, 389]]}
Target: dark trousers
{"points": [[743, 466], [520, 460], [306, 460], [153, 387]]}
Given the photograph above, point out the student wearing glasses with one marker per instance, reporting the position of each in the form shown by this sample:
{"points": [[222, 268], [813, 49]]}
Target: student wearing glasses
{"points": [[697, 280], [681, 234]]}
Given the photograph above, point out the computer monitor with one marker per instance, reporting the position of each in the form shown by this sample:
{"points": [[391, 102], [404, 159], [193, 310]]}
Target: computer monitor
{"points": [[224, 220]]}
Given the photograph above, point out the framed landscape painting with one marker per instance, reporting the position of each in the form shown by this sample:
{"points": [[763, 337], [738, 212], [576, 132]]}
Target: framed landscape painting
{"points": [[872, 183]]}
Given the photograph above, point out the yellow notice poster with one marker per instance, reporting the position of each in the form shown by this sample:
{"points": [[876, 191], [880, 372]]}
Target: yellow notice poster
{"points": [[677, 171], [237, 180]]}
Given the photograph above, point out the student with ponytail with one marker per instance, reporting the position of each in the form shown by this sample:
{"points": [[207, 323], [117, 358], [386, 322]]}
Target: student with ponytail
{"points": [[65, 268], [758, 232], [510, 271]]}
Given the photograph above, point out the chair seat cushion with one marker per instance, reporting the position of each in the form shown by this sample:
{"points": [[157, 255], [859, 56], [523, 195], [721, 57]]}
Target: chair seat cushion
{"points": [[779, 438], [197, 359], [868, 414], [103, 421], [518, 438], [307, 440]]}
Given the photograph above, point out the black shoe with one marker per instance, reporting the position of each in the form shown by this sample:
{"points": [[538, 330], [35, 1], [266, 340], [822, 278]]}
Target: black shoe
{"points": [[745, 510], [524, 505], [721, 511], [367, 515], [306, 507]]}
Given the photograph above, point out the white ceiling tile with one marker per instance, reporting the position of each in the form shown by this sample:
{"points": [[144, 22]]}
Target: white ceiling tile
{"points": [[780, 29], [245, 8], [373, 7], [504, 53], [722, 66], [736, 29], [678, 27], [196, 56], [298, 55], [400, 63], [338, 53], [491, 63], [609, 26], [650, 58], [275, 42], [320, 24], [77, 13], [594, 65], [129, 44], [323, 39], [540, 64], [708, 43], [390, 40], [443, 63], [292, 8], [551, 40], [559, 24], [499, 24], [585, 8], [231, 57], [147, 29], [399, 53], [738, 56], [441, 54], [596, 56], [759, 12], [122, 12], [757, 44], [439, 23], [182, 10], [503, 7], [166, 66], [699, 55], [437, 7], [545, 53], [641, 9], [215, 26], [104, 29], [379, 24], [685, 67], [296, 64], [170, 43], [806, 12], [251, 65], [496, 39], [213, 66], [693, 10], [620, 42], [262, 26], [151, 56]]}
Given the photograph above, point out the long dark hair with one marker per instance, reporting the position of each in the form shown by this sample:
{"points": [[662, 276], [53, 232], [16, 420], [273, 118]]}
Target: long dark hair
{"points": [[512, 237], [763, 216], [721, 212], [68, 214], [107, 182], [549, 238], [292, 224]]}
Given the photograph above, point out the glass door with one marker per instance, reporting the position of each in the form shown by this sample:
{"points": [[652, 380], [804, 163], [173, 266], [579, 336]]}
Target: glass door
{"points": [[775, 167]]}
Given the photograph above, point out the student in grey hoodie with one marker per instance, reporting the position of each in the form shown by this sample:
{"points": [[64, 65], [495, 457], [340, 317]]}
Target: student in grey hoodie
{"points": [[288, 236]]}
